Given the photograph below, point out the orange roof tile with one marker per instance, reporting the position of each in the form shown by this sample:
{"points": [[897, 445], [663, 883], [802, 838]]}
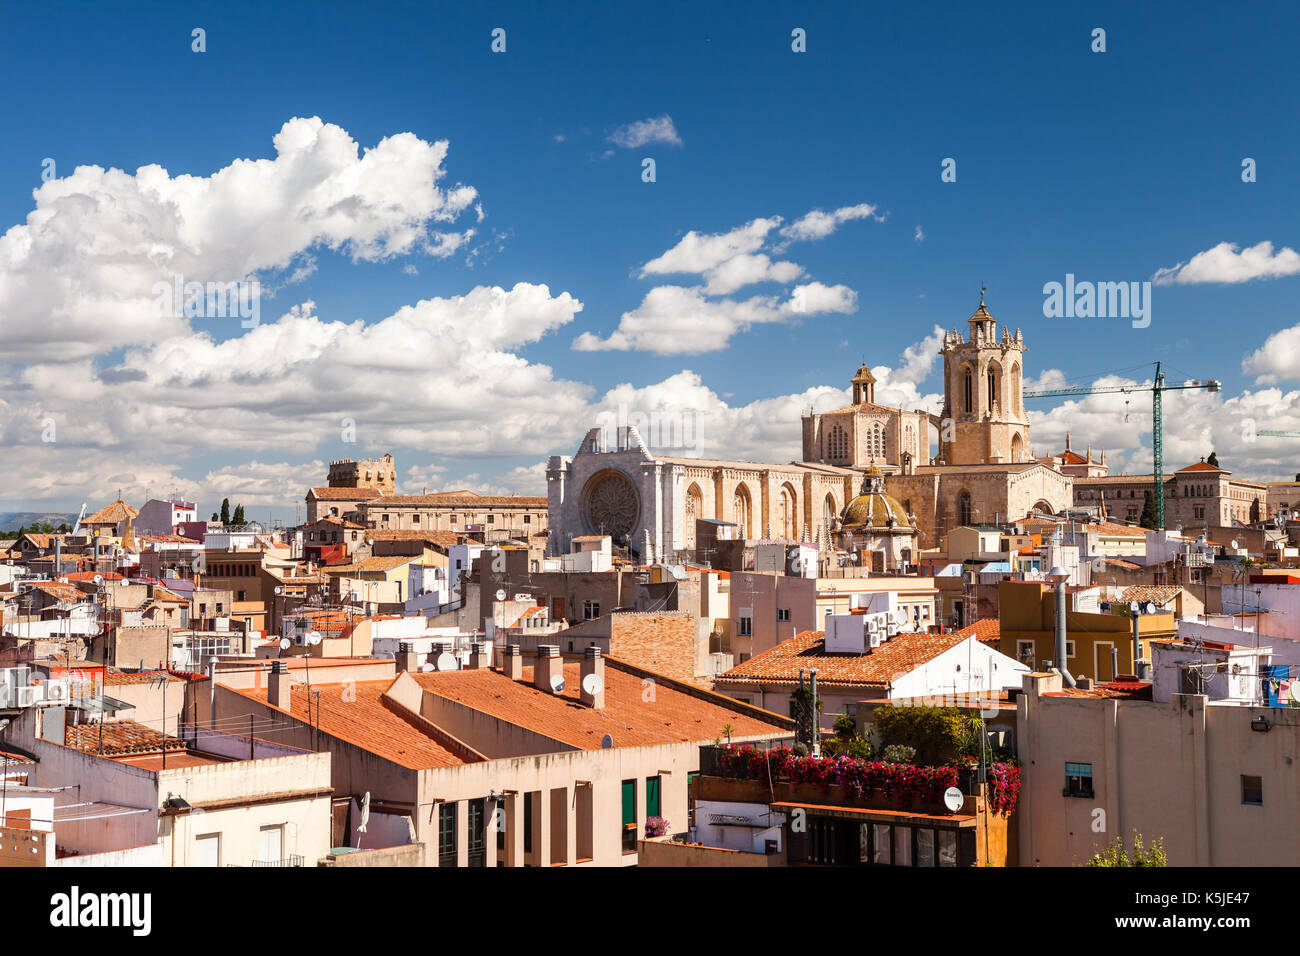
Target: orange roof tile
{"points": [[345, 494], [673, 716], [119, 510], [1201, 466], [894, 658], [368, 720], [113, 737]]}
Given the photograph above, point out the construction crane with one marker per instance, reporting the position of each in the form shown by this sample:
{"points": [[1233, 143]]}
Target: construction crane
{"points": [[1157, 389]]}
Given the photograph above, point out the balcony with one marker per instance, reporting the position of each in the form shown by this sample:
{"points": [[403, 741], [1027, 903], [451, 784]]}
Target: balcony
{"points": [[295, 860]]}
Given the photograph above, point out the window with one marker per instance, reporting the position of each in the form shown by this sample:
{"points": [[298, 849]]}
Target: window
{"points": [[207, 849], [1025, 652], [447, 834], [492, 519], [590, 610], [1252, 791], [653, 787], [453, 519], [746, 627], [881, 839], [528, 519], [1069, 650], [1078, 780], [528, 822], [924, 847], [415, 519], [240, 596], [270, 844], [629, 816], [220, 608], [783, 614], [947, 848]]}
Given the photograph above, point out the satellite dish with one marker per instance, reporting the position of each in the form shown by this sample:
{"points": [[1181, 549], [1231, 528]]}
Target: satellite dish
{"points": [[592, 684], [99, 579], [426, 668], [313, 638], [606, 742], [953, 799], [284, 643], [1234, 544], [1294, 692], [501, 592], [557, 683], [447, 662], [278, 589]]}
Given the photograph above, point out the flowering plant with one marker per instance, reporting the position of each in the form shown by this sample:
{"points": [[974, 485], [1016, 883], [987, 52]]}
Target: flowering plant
{"points": [[1004, 790], [902, 782], [656, 826]]}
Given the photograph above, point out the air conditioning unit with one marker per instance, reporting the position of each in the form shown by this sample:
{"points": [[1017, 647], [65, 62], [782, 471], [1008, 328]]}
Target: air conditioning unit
{"points": [[56, 690], [28, 696]]}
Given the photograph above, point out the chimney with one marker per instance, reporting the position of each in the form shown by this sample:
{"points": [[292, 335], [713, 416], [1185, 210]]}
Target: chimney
{"points": [[593, 663], [548, 664], [407, 658], [512, 665], [277, 690], [480, 658]]}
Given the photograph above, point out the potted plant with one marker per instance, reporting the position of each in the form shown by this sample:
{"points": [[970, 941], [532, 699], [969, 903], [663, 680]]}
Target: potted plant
{"points": [[656, 827]]}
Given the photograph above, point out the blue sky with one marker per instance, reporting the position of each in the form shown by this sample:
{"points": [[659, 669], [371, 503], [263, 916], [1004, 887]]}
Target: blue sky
{"points": [[1111, 166]]}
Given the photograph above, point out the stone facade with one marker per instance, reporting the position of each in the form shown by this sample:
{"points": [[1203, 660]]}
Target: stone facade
{"points": [[377, 473], [649, 504]]}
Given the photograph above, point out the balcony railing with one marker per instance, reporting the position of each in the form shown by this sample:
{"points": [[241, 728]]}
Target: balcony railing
{"points": [[295, 860]]}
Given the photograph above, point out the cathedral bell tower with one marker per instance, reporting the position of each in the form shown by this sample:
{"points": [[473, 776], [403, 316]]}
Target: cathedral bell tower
{"points": [[984, 420]]}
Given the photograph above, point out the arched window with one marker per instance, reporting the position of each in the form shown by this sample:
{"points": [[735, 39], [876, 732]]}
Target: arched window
{"points": [[969, 390], [993, 387], [964, 508]]}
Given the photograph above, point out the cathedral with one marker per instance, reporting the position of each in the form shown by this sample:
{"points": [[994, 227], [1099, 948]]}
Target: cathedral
{"points": [[862, 464]]}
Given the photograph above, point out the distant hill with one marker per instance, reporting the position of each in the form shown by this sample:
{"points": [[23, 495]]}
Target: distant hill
{"points": [[11, 521]]}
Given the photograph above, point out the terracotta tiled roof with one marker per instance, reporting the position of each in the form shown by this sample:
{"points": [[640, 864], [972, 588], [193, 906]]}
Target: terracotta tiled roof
{"points": [[673, 716], [167, 597], [986, 631], [114, 737], [1072, 458], [60, 591], [123, 678], [1201, 466], [351, 525], [1130, 690], [371, 564], [80, 576], [1160, 594], [1119, 563], [443, 539], [166, 539], [465, 499], [1112, 530], [893, 659], [344, 494], [368, 720], [119, 510]]}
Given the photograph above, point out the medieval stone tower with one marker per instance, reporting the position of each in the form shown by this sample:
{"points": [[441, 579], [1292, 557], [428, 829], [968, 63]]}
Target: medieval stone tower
{"points": [[377, 473], [984, 420]]}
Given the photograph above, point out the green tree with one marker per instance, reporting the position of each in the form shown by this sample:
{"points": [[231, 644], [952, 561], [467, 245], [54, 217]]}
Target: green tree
{"points": [[1117, 854], [935, 732], [215, 516], [1148, 519], [225, 512], [1213, 460], [238, 519]]}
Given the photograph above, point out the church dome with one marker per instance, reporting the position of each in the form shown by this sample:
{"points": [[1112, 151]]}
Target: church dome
{"points": [[873, 508]]}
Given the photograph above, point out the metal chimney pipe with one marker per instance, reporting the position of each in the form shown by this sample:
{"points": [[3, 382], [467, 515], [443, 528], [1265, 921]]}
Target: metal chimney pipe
{"points": [[1060, 632]]}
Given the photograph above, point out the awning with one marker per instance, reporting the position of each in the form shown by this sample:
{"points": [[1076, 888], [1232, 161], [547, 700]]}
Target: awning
{"points": [[953, 820]]}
